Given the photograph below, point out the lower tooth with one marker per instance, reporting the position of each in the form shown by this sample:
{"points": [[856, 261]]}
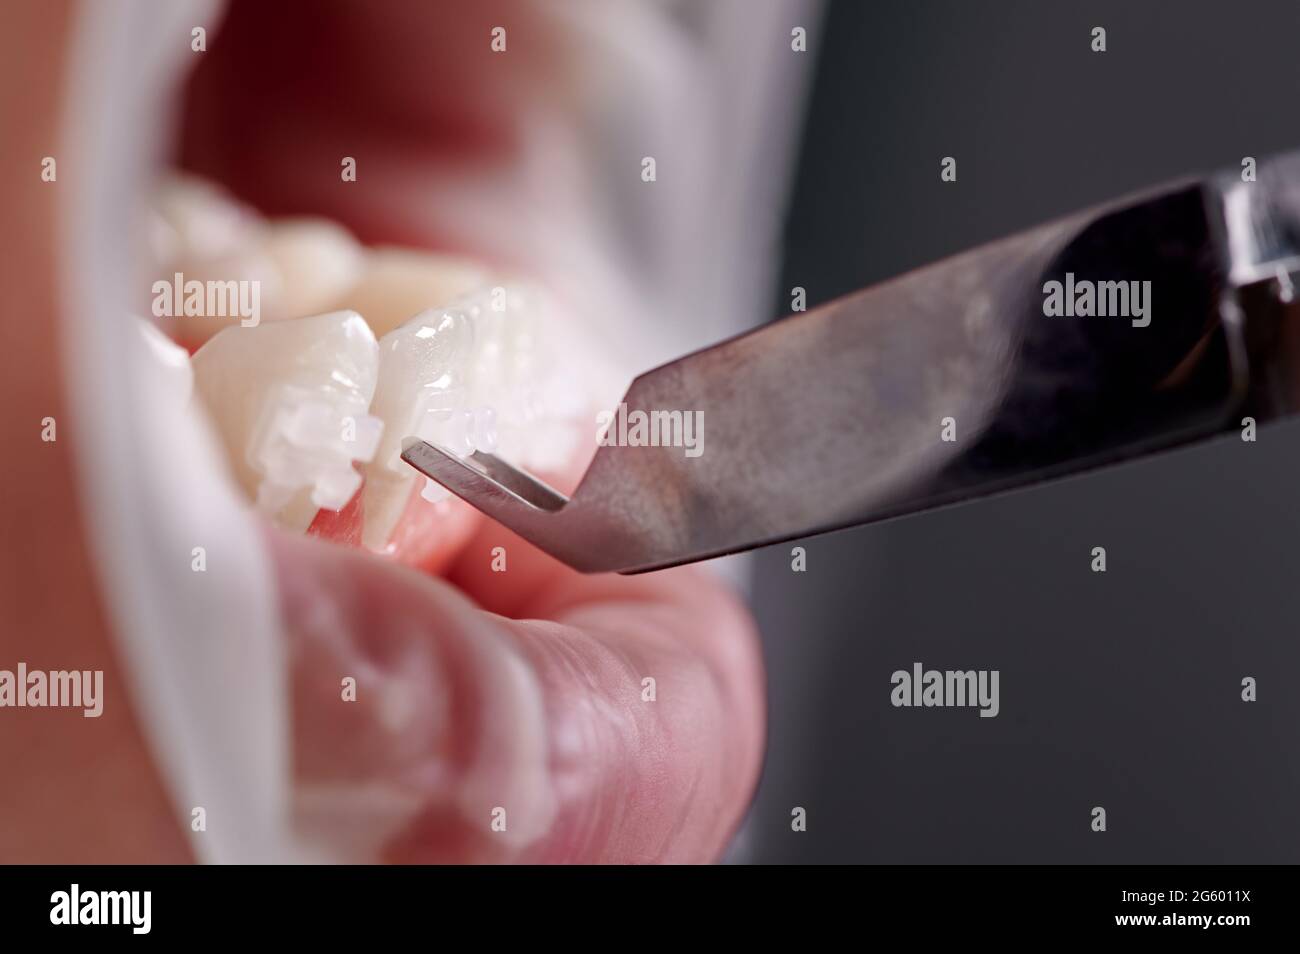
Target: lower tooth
{"points": [[485, 430], [303, 441], [434, 492], [290, 402], [459, 377], [420, 391]]}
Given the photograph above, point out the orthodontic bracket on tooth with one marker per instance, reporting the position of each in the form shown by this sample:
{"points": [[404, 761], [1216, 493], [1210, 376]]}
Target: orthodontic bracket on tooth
{"points": [[462, 431], [305, 440], [441, 419]]}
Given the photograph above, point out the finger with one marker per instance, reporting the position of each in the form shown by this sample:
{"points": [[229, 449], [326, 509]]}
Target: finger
{"points": [[628, 728]]}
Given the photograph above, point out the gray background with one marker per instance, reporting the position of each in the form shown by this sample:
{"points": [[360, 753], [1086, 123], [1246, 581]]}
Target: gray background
{"points": [[1119, 689]]}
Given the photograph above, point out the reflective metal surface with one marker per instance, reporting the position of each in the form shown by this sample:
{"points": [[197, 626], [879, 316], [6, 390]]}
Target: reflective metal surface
{"points": [[942, 385]]}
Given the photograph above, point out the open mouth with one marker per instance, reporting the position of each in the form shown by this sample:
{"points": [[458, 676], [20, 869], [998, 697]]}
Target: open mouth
{"points": [[260, 270], [315, 354]]}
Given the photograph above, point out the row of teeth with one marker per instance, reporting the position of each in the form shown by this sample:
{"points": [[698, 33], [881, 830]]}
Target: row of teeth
{"points": [[298, 402]]}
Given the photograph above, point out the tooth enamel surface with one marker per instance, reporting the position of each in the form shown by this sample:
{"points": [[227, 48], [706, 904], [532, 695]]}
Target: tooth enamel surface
{"points": [[396, 283], [471, 376], [317, 261], [289, 400], [203, 234], [198, 221], [301, 266], [246, 271], [420, 385]]}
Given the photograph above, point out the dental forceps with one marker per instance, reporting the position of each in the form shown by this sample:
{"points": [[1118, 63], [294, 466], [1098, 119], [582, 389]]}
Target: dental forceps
{"points": [[951, 382]]}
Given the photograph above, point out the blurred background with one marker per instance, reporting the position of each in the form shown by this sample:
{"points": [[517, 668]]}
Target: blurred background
{"points": [[1121, 689]]}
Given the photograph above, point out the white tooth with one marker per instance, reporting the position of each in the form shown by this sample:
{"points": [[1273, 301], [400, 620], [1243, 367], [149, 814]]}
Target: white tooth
{"points": [[290, 400], [396, 283], [302, 266], [202, 233], [434, 492], [206, 222], [485, 430], [318, 261], [250, 268], [421, 391], [465, 377]]}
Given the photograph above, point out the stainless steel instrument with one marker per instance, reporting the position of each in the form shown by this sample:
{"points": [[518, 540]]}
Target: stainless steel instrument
{"points": [[945, 384]]}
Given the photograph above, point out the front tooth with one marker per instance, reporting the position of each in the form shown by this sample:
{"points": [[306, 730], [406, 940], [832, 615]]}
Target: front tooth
{"points": [[396, 283], [468, 377], [290, 400], [422, 390]]}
